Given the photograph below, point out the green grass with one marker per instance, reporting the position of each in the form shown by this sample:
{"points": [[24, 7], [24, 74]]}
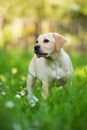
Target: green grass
{"points": [[64, 109]]}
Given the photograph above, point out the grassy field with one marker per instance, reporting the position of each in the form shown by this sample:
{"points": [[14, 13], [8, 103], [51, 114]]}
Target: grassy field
{"points": [[64, 109]]}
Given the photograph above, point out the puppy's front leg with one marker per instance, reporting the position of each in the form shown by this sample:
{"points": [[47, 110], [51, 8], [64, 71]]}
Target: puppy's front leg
{"points": [[30, 87], [45, 89]]}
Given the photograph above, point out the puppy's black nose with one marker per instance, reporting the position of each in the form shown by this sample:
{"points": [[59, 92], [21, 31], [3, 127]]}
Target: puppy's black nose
{"points": [[36, 48]]}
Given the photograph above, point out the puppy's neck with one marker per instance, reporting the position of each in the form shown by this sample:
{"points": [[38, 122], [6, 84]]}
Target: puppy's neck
{"points": [[56, 55]]}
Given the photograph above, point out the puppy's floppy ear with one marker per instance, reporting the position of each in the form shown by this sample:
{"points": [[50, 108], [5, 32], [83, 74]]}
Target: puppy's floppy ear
{"points": [[59, 41]]}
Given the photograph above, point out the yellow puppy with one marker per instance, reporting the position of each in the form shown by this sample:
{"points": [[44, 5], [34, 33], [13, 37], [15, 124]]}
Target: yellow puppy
{"points": [[51, 63]]}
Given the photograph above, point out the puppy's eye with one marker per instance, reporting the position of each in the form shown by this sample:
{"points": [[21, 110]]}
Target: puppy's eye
{"points": [[46, 40], [36, 41]]}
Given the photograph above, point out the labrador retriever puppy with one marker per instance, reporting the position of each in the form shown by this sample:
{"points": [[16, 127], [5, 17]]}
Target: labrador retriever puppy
{"points": [[50, 64]]}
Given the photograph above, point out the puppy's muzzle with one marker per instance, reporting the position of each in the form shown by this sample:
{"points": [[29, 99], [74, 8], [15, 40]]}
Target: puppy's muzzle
{"points": [[38, 52]]}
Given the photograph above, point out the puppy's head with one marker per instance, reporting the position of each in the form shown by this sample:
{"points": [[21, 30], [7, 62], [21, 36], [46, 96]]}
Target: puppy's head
{"points": [[47, 43]]}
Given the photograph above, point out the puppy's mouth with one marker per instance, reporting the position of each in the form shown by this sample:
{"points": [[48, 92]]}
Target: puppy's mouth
{"points": [[39, 54]]}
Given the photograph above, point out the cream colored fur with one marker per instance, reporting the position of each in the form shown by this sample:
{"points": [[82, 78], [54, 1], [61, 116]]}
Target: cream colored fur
{"points": [[50, 64]]}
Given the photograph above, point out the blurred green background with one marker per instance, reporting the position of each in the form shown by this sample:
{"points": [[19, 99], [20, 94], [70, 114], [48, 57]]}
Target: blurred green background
{"points": [[21, 21]]}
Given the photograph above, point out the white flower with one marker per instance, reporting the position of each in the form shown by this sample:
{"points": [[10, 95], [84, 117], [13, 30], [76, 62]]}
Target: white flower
{"points": [[9, 104], [3, 93], [22, 93], [17, 96], [16, 126], [33, 101], [0, 83]]}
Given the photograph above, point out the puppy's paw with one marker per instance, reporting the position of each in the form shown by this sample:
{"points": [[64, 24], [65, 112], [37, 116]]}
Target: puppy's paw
{"points": [[32, 101]]}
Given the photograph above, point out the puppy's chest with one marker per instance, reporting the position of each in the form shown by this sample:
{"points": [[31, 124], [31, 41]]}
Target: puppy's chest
{"points": [[54, 71], [51, 71]]}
